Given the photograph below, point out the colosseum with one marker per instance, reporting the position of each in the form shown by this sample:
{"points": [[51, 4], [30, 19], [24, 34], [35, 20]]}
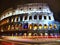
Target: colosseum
{"points": [[35, 19]]}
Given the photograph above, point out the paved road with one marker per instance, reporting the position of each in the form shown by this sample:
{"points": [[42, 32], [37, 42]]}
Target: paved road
{"points": [[29, 44], [7, 42]]}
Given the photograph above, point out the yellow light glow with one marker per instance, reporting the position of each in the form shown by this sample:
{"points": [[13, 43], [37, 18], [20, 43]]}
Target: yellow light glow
{"points": [[55, 26], [45, 26], [7, 20], [12, 28], [50, 26], [2, 30], [41, 34], [30, 26], [46, 34], [25, 34], [20, 26], [11, 20], [40, 27], [35, 27], [16, 27], [30, 34], [9, 27], [16, 19]]}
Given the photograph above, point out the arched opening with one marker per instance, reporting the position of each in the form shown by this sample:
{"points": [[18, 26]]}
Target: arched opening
{"points": [[12, 20], [35, 17], [41, 34], [35, 27], [49, 17], [35, 34], [30, 17], [25, 17], [7, 20], [29, 8], [45, 26], [50, 26], [16, 19], [45, 17], [16, 27], [20, 26], [16, 34], [55, 26], [40, 26], [12, 27], [9, 27], [25, 26], [29, 34], [30, 26], [1, 29], [40, 17], [46, 34], [25, 34]]}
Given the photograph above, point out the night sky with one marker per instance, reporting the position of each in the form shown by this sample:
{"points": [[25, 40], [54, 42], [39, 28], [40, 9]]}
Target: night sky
{"points": [[53, 4]]}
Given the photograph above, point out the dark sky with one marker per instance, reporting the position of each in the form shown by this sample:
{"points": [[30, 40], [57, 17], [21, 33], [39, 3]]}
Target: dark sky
{"points": [[53, 4]]}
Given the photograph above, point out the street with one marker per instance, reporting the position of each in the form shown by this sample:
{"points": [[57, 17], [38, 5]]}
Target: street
{"points": [[21, 41]]}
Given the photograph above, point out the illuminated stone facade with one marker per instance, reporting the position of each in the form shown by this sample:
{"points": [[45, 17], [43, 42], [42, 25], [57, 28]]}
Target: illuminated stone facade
{"points": [[35, 19]]}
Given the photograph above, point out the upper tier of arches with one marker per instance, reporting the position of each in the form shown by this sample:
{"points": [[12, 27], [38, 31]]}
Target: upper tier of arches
{"points": [[27, 8]]}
